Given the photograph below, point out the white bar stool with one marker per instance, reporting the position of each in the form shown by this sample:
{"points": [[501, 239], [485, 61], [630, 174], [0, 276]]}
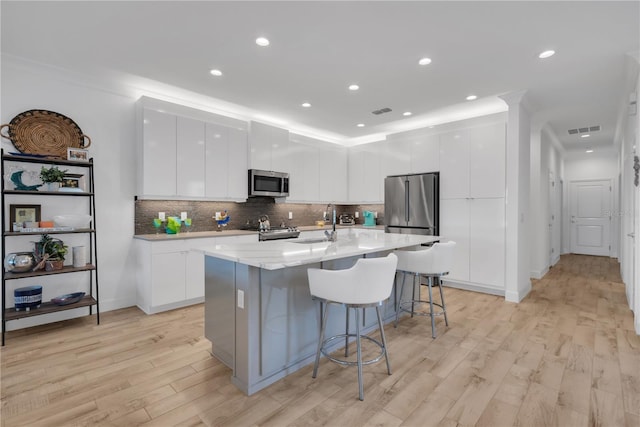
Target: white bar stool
{"points": [[433, 262], [367, 284]]}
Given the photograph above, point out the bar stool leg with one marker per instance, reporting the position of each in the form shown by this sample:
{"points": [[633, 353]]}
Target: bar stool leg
{"points": [[358, 346], [432, 314], [444, 307], [404, 276], [384, 340], [346, 332], [321, 340], [413, 293]]}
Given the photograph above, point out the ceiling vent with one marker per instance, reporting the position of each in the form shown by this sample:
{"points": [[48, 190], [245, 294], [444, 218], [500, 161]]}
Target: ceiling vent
{"points": [[381, 111], [585, 129]]}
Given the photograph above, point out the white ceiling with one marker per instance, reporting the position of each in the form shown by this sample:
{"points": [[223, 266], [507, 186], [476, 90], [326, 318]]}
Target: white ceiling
{"points": [[319, 48]]}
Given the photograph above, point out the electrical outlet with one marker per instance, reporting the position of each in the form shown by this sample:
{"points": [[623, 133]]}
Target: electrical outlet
{"points": [[161, 216], [290, 215], [183, 216], [375, 214], [357, 214], [240, 298]]}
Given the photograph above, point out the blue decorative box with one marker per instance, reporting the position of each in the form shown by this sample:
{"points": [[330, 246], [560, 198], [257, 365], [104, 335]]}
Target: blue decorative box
{"points": [[28, 297]]}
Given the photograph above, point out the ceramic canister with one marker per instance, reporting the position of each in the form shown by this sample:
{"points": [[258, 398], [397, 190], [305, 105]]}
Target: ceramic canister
{"points": [[28, 297], [79, 256]]}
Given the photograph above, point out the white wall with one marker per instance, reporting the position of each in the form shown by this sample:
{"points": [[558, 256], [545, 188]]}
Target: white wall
{"points": [[108, 118], [545, 203], [593, 166]]}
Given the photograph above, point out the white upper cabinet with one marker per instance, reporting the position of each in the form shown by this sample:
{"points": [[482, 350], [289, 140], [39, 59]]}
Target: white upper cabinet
{"points": [[472, 162], [395, 154], [216, 158], [269, 148], [487, 157], [332, 174], [454, 165], [425, 154], [304, 173], [190, 158], [226, 160], [238, 181], [190, 154], [158, 157], [366, 183]]}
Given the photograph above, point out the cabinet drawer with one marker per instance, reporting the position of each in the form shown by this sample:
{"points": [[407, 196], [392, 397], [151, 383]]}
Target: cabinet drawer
{"points": [[168, 246]]}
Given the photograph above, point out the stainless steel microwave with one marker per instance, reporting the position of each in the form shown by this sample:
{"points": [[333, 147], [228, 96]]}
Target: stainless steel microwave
{"points": [[268, 183]]}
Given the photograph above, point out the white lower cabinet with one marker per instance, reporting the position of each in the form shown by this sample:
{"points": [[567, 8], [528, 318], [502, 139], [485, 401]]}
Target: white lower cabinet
{"points": [[478, 228], [170, 273]]}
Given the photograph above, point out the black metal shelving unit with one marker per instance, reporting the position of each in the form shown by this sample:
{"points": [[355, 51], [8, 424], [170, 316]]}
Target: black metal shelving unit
{"points": [[91, 299]]}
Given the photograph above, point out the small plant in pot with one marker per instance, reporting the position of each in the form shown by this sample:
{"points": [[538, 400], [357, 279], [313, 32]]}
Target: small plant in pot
{"points": [[51, 252], [52, 177]]}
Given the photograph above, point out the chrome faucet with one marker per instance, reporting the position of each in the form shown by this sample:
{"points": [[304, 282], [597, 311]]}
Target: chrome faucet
{"points": [[333, 236]]}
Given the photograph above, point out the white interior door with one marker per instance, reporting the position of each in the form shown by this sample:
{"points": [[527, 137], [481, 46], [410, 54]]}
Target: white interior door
{"points": [[590, 210]]}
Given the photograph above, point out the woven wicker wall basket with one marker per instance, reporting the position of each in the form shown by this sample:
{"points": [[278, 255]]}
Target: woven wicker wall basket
{"points": [[44, 133]]}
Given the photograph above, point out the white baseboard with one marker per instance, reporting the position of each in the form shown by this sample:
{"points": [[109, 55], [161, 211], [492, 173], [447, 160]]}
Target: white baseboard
{"points": [[475, 287], [172, 306], [539, 274], [518, 295]]}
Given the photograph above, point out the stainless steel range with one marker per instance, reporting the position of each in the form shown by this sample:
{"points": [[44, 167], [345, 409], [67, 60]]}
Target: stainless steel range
{"points": [[266, 232], [278, 233]]}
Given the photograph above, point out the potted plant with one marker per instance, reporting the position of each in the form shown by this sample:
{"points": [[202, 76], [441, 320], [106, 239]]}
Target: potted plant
{"points": [[52, 177], [52, 252]]}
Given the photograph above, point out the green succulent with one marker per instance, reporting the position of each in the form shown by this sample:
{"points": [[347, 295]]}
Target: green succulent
{"points": [[52, 174]]}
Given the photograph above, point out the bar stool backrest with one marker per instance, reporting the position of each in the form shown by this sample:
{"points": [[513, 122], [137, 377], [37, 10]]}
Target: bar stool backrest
{"points": [[434, 261], [369, 281]]}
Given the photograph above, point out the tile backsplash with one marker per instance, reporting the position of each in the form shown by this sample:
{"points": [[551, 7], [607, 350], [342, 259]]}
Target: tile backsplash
{"points": [[242, 215]]}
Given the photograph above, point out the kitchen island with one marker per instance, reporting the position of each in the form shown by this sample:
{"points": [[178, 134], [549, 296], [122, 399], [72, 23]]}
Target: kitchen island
{"points": [[259, 314]]}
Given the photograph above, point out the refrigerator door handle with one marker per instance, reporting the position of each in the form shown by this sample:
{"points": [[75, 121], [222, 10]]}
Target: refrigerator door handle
{"points": [[406, 201]]}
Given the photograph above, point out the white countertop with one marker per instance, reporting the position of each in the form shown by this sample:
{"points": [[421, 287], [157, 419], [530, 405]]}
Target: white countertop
{"points": [[229, 233], [276, 254]]}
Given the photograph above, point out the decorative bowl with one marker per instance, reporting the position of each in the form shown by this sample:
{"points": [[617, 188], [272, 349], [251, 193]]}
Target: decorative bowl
{"points": [[19, 262], [72, 220], [68, 298]]}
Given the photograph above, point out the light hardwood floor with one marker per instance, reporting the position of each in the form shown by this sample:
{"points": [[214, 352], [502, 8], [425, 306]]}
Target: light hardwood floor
{"points": [[566, 356]]}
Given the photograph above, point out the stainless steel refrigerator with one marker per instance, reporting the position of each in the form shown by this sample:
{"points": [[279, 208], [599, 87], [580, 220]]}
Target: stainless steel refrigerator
{"points": [[411, 204]]}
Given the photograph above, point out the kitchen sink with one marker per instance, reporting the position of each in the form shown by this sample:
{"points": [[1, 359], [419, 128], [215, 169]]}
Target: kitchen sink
{"points": [[311, 240]]}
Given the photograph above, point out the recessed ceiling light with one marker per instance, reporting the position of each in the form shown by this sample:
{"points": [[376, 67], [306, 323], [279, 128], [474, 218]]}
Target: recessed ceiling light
{"points": [[354, 87], [306, 105], [262, 41], [216, 72], [360, 125], [586, 135], [589, 151], [424, 61], [547, 54], [407, 113], [471, 97]]}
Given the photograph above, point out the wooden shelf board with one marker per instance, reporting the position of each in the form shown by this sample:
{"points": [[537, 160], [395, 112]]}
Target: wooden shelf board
{"points": [[48, 193], [66, 269], [21, 233], [47, 307], [45, 160]]}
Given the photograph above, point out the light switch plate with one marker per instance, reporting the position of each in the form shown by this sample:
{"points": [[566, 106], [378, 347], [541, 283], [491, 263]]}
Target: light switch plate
{"points": [[290, 215], [357, 214], [161, 216], [183, 216]]}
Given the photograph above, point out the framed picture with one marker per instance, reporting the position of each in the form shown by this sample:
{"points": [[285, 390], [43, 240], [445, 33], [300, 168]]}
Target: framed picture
{"points": [[24, 213], [73, 182], [77, 154]]}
